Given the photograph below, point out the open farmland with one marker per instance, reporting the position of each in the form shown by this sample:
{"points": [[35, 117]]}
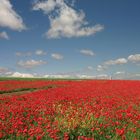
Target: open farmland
{"points": [[70, 110]]}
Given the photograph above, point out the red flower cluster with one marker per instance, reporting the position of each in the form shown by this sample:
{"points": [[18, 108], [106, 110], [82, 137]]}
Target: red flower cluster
{"points": [[82, 110]]}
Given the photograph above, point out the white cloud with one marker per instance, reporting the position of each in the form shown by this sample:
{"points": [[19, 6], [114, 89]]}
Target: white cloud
{"points": [[57, 76], [101, 67], [73, 3], [79, 76], [23, 54], [3, 70], [37, 52], [22, 75], [9, 18], [134, 58], [90, 68], [119, 72], [116, 62], [30, 63], [119, 75], [57, 56], [4, 35], [84, 76], [103, 76], [106, 64], [40, 52], [65, 21], [87, 52], [133, 76], [46, 6]]}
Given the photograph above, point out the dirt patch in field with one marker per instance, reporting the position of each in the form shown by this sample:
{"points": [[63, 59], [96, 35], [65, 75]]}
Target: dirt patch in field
{"points": [[20, 92], [24, 91]]}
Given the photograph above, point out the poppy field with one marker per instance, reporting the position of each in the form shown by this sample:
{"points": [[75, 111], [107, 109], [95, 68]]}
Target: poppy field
{"points": [[70, 110]]}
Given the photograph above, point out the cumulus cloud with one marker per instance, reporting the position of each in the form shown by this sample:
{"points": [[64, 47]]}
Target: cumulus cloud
{"points": [[116, 62], [40, 52], [57, 56], [84, 76], [117, 75], [79, 76], [22, 75], [4, 35], [103, 76], [106, 64], [87, 52], [65, 21], [57, 76], [46, 6], [134, 58], [9, 18], [30, 63], [101, 67]]}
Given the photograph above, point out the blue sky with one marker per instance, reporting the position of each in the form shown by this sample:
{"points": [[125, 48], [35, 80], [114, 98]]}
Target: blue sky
{"points": [[94, 38]]}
